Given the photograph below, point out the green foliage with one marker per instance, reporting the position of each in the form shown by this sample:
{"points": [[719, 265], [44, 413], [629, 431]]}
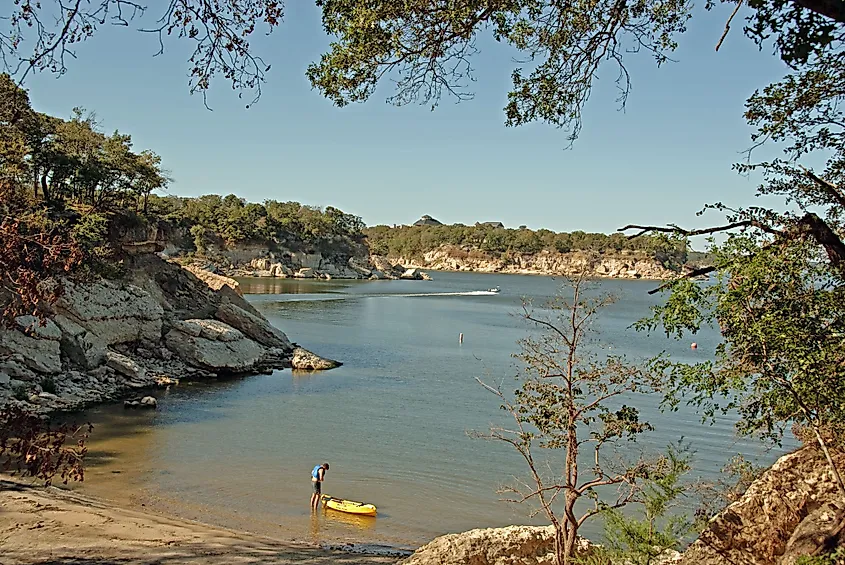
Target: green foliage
{"points": [[835, 557], [640, 541], [414, 241], [571, 399], [231, 220], [781, 360]]}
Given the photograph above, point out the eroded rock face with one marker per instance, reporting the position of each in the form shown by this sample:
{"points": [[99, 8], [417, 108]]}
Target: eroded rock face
{"points": [[113, 312], [104, 339], [304, 360], [453, 258], [785, 511]]}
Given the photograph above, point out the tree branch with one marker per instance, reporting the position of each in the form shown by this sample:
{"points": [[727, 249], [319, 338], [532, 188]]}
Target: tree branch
{"points": [[829, 188], [728, 24]]}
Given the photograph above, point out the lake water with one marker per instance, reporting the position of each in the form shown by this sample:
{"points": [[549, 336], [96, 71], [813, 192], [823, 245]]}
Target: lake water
{"points": [[391, 421]]}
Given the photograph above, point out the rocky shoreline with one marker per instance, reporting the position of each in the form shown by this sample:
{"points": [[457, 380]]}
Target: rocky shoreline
{"points": [[623, 265], [160, 323]]}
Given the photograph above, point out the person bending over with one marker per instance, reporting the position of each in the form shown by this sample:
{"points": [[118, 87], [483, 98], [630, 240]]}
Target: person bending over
{"points": [[318, 474]]}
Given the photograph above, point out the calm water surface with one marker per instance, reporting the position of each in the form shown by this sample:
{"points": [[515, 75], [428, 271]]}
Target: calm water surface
{"points": [[391, 421]]}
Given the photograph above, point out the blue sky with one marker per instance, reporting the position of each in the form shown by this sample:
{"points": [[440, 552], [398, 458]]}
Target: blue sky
{"points": [[659, 161]]}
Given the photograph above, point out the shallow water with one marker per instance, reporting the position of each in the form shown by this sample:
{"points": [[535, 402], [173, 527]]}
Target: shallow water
{"points": [[391, 421]]}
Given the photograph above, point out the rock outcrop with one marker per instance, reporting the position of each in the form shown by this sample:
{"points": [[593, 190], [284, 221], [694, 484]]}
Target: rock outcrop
{"points": [[213, 345], [625, 266], [523, 545], [304, 360], [159, 324], [261, 262], [791, 510]]}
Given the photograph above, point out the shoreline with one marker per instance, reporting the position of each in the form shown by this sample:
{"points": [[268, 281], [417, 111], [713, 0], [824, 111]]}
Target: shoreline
{"points": [[50, 524]]}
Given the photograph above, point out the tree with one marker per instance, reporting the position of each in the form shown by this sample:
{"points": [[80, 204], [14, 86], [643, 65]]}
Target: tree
{"points": [[570, 402], [778, 292], [426, 46], [30, 446]]}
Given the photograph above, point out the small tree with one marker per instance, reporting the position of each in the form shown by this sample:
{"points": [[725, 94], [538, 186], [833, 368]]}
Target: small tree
{"points": [[31, 446], [563, 404]]}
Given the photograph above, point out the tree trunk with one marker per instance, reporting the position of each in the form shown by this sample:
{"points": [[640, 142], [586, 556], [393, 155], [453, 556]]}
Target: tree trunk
{"points": [[560, 548]]}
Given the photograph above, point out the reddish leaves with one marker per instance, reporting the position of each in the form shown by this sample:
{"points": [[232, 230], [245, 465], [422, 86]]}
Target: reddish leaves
{"points": [[30, 446], [28, 258]]}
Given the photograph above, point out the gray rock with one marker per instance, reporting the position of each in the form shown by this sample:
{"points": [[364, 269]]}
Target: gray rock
{"points": [[124, 365], [31, 326], [41, 355], [79, 345], [188, 327], [13, 366], [48, 396], [252, 326], [234, 356], [113, 312], [306, 361], [305, 274], [216, 330]]}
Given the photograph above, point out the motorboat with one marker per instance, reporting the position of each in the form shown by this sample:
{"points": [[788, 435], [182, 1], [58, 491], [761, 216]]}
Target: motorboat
{"points": [[495, 289]]}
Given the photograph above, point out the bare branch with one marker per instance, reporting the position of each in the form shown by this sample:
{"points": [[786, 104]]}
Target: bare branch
{"points": [[728, 24]]}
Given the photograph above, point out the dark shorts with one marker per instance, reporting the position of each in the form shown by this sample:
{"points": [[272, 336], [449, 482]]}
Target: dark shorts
{"points": [[316, 486]]}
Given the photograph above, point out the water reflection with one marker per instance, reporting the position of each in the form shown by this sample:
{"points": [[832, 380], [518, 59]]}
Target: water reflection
{"points": [[326, 521], [253, 285], [360, 523]]}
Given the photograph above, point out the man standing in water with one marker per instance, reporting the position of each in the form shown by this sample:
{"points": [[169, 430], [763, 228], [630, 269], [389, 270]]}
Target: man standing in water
{"points": [[318, 473]]}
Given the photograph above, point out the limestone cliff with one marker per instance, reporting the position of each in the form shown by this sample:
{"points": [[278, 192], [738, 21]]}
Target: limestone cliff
{"points": [[793, 509], [157, 324], [621, 265]]}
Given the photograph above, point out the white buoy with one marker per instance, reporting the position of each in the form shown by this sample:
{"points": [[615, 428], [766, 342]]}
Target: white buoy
{"points": [[693, 345], [461, 338]]}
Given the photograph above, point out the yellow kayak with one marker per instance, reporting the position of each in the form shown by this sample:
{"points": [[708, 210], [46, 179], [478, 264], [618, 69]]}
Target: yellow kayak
{"points": [[349, 506]]}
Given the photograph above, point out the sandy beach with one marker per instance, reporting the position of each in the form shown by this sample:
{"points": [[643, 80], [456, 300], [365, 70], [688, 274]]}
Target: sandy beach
{"points": [[52, 526]]}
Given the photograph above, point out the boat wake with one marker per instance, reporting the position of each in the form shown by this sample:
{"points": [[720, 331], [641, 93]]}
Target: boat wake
{"points": [[352, 296], [467, 293]]}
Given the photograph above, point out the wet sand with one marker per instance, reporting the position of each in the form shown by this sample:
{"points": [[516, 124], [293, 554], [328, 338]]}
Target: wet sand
{"points": [[53, 526]]}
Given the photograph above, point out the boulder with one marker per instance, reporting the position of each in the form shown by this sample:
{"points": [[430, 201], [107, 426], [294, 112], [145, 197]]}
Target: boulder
{"points": [[124, 365], [304, 360], [305, 274], [237, 356], [522, 545], [36, 346], [411, 274], [252, 326], [148, 402], [280, 270]]}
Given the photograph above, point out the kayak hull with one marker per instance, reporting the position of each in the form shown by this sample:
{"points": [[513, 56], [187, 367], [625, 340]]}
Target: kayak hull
{"points": [[348, 506]]}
